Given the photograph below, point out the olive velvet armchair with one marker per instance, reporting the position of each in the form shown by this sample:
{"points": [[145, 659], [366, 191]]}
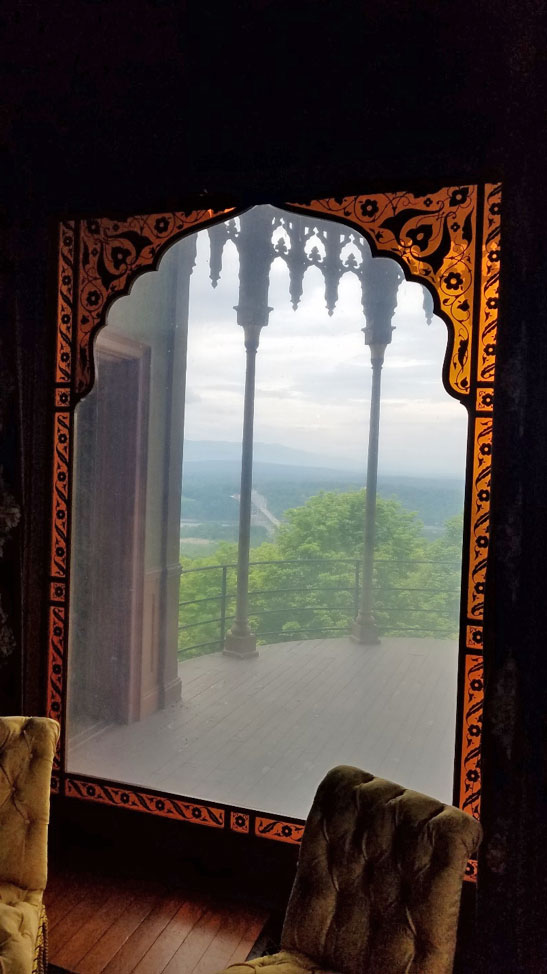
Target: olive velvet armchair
{"points": [[378, 882], [27, 747]]}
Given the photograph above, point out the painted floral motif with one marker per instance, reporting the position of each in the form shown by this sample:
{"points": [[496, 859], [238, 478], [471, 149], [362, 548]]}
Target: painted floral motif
{"points": [[490, 278], [111, 254], [471, 734], [480, 516], [239, 822], [141, 801], [59, 541], [434, 237], [65, 300], [471, 871], [281, 831]]}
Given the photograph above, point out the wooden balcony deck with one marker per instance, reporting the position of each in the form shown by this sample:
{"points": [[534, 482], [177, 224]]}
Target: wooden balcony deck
{"points": [[261, 733]]}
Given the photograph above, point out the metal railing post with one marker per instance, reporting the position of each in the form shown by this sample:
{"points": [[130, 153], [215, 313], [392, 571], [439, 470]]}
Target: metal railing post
{"points": [[352, 589], [223, 605]]}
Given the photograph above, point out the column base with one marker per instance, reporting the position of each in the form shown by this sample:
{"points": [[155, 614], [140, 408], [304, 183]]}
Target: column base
{"points": [[243, 647], [365, 632]]}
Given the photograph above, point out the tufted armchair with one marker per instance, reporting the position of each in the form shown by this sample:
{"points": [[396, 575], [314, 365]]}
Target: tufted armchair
{"points": [[378, 883], [27, 746]]}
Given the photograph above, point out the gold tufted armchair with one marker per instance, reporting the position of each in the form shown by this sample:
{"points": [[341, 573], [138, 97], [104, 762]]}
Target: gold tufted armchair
{"points": [[378, 883], [27, 746]]}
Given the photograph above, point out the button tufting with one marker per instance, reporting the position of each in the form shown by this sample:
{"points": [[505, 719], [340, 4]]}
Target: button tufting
{"points": [[372, 889]]}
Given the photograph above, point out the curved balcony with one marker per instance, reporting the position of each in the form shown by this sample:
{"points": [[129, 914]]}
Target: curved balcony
{"points": [[317, 596], [261, 732]]}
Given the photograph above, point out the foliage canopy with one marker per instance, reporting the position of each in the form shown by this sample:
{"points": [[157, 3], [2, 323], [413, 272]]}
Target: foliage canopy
{"points": [[306, 580]]}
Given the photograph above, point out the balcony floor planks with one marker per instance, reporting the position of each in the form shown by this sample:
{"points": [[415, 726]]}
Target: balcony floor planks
{"points": [[120, 926], [262, 732]]}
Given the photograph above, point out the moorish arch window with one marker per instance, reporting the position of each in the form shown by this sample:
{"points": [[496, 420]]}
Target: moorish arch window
{"points": [[271, 492]]}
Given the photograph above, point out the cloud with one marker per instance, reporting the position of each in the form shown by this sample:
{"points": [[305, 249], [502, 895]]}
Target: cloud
{"points": [[192, 397], [313, 370]]}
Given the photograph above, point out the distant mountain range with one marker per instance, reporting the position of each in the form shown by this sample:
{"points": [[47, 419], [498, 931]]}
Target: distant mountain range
{"points": [[220, 456], [288, 477], [198, 451]]}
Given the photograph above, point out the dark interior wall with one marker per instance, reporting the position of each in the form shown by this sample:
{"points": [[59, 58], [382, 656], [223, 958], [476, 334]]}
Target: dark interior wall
{"points": [[130, 100], [124, 106], [10, 492], [514, 744]]}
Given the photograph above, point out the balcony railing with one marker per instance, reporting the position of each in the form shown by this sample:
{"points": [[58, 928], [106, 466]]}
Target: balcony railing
{"points": [[317, 596]]}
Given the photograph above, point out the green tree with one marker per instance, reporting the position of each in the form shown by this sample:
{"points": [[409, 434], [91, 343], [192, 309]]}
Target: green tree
{"points": [[438, 579], [331, 524], [200, 599], [326, 535], [303, 582]]}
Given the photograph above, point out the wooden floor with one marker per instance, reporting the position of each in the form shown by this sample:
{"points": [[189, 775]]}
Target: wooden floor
{"points": [[262, 732], [129, 927]]}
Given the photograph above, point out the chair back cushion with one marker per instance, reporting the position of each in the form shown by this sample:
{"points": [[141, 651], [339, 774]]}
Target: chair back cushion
{"points": [[379, 878], [27, 747]]}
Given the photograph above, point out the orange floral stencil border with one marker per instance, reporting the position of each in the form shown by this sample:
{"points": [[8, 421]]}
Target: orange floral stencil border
{"points": [[272, 828], [484, 404], [240, 822], [60, 504], [434, 236], [142, 801], [470, 781], [65, 299], [111, 254], [490, 280], [471, 871], [57, 633], [480, 517]]}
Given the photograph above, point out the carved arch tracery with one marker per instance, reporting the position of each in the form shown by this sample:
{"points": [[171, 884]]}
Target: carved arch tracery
{"points": [[448, 240]]}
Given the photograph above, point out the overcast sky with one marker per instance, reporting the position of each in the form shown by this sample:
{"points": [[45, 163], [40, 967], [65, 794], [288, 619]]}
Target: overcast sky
{"points": [[314, 375]]}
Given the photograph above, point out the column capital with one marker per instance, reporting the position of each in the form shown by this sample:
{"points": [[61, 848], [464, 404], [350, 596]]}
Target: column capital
{"points": [[380, 286], [377, 349], [250, 327]]}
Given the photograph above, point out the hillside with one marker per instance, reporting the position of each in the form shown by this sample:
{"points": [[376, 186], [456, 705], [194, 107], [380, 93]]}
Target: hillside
{"points": [[210, 483]]}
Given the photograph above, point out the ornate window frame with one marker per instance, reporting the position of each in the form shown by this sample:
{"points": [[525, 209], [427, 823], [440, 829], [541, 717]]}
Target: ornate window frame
{"points": [[448, 240]]}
